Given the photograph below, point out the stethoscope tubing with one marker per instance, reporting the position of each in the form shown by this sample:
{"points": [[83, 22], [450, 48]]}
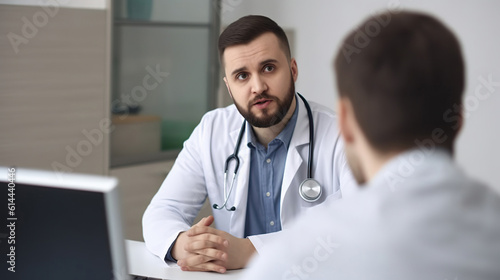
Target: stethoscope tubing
{"points": [[234, 156], [311, 136]]}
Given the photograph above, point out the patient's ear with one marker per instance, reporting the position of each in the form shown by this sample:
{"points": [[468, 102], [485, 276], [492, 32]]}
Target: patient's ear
{"points": [[346, 119], [460, 123]]}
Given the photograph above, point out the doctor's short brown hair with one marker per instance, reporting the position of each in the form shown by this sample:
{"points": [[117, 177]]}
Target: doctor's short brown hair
{"points": [[248, 28], [404, 75]]}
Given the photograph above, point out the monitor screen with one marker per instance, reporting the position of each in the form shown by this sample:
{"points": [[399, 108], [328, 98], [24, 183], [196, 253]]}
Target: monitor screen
{"points": [[60, 227]]}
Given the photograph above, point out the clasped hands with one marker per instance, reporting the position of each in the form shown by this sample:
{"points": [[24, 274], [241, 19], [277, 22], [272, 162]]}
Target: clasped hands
{"points": [[203, 248]]}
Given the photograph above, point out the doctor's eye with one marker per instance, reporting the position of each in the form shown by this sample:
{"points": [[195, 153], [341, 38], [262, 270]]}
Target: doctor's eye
{"points": [[241, 76], [269, 68]]}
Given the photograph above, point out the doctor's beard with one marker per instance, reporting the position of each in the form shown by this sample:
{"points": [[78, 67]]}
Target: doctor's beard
{"points": [[269, 120]]}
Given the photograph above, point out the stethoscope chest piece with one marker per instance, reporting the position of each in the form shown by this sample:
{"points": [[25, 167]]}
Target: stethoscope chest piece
{"points": [[310, 190]]}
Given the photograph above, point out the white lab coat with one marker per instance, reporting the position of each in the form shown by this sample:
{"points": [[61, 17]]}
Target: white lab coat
{"points": [[199, 168], [417, 219]]}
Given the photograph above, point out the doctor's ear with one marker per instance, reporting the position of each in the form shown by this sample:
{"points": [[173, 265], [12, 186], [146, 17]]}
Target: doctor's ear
{"points": [[228, 88], [346, 119], [294, 69]]}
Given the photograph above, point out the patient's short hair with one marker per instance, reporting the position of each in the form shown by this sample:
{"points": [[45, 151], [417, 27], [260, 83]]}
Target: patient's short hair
{"points": [[402, 72]]}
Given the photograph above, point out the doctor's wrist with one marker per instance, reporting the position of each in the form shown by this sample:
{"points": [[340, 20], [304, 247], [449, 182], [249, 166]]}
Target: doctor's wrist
{"points": [[176, 250], [168, 256]]}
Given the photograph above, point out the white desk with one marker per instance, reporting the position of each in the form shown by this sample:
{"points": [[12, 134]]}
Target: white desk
{"points": [[142, 263]]}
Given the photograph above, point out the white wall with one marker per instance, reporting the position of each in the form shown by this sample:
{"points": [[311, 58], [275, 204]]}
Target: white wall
{"points": [[320, 25]]}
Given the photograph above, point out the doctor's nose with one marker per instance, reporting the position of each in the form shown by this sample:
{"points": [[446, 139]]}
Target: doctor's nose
{"points": [[258, 85]]}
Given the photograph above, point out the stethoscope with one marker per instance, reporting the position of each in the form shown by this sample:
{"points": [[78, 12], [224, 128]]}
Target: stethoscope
{"points": [[309, 189]]}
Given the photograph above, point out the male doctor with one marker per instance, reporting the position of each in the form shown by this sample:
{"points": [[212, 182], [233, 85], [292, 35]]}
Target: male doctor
{"points": [[273, 124], [418, 215]]}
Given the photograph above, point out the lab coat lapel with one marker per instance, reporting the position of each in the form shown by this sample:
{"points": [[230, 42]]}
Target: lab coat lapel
{"points": [[294, 159], [239, 198]]}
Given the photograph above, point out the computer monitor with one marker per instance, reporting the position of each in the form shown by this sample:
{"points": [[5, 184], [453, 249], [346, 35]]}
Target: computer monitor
{"points": [[57, 226]]}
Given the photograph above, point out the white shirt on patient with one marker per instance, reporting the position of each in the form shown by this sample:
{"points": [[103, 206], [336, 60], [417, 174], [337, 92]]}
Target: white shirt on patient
{"points": [[421, 217]]}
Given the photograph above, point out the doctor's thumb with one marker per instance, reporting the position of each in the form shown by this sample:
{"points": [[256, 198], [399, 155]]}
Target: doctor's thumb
{"points": [[206, 221]]}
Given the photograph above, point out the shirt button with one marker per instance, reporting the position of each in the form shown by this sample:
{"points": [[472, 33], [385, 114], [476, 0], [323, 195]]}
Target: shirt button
{"points": [[272, 223], [268, 194], [268, 160]]}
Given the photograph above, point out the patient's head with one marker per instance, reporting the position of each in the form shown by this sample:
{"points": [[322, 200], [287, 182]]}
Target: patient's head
{"points": [[400, 80]]}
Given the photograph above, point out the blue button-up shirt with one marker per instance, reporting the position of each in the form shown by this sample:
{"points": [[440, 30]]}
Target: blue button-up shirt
{"points": [[267, 167]]}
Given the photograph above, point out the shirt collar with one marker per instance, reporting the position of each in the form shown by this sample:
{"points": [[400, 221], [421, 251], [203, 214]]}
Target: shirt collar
{"points": [[404, 165], [285, 135]]}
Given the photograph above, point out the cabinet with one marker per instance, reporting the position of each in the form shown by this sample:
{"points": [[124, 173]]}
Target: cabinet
{"points": [[165, 64]]}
